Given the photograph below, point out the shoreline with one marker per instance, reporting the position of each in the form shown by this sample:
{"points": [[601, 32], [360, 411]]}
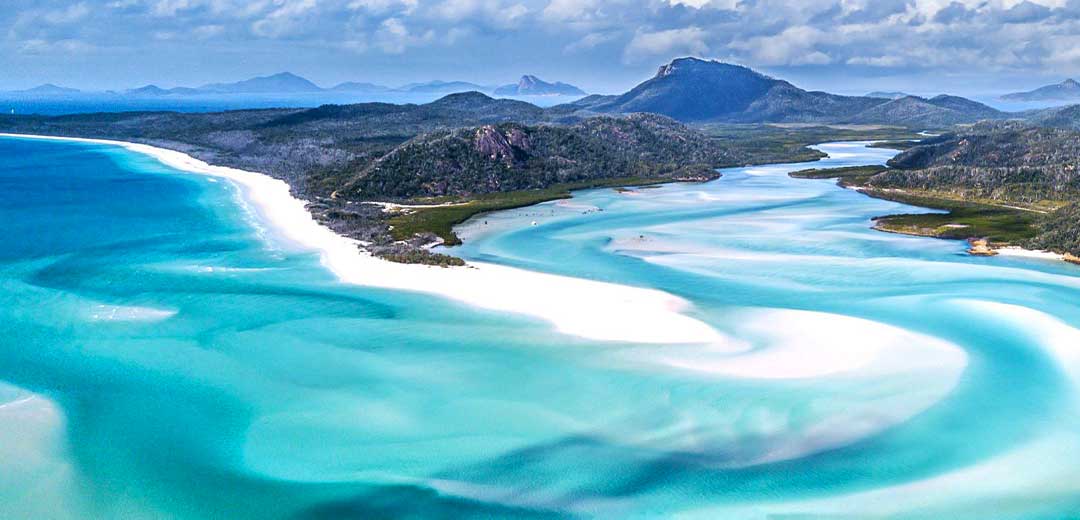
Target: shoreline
{"points": [[585, 308], [1013, 251]]}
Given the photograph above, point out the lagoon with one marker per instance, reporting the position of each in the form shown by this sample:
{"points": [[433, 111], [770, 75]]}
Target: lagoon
{"points": [[168, 353]]}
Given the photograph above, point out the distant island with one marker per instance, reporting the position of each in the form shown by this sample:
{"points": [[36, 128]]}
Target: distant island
{"points": [[398, 177], [534, 86], [1068, 90]]}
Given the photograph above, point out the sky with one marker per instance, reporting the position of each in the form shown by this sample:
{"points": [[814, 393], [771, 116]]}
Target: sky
{"points": [[603, 46]]}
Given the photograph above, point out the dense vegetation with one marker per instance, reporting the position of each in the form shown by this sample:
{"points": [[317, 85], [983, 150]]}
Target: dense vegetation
{"points": [[514, 157], [1006, 162], [1008, 182], [961, 219], [855, 173], [1060, 231]]}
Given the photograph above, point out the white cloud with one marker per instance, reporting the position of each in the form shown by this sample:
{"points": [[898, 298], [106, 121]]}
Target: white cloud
{"points": [[969, 35], [590, 41], [379, 7], [286, 19], [69, 46], [71, 14], [393, 37], [646, 45], [568, 10], [204, 32], [793, 46]]}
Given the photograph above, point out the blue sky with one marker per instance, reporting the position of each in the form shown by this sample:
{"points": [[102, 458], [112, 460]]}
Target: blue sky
{"points": [[921, 46]]}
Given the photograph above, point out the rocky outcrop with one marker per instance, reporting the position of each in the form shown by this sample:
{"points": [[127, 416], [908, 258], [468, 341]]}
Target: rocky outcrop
{"points": [[980, 247]]}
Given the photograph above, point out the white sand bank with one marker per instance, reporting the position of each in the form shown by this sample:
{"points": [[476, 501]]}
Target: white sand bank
{"points": [[589, 309], [1028, 253]]}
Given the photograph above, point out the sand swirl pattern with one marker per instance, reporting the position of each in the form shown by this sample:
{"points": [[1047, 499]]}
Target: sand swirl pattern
{"points": [[743, 348]]}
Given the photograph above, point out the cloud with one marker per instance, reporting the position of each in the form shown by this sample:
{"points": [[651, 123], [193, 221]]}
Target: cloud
{"points": [[71, 14], [932, 36], [590, 41], [288, 18], [393, 37], [646, 45], [51, 47]]}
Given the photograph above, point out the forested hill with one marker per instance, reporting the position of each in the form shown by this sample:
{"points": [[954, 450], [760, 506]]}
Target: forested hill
{"points": [[513, 156], [1034, 172], [1008, 162]]}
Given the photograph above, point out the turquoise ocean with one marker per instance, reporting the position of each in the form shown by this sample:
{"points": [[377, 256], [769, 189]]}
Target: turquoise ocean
{"points": [[163, 354]]}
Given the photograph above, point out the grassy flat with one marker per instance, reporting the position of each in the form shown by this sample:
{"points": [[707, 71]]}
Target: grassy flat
{"points": [[855, 172], [998, 224], [895, 145]]}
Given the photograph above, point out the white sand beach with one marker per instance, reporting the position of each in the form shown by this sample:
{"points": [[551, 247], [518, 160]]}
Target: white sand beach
{"points": [[584, 308], [1029, 253]]}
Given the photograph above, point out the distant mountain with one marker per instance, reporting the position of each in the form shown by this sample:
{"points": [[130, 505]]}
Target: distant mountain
{"points": [[352, 86], [444, 87], [691, 89], [695, 90], [966, 107], [281, 83], [533, 86], [47, 89], [887, 95], [1065, 91], [917, 111], [149, 90]]}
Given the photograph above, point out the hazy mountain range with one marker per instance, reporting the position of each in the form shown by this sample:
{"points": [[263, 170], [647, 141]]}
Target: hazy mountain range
{"points": [[1068, 90], [289, 83], [690, 90]]}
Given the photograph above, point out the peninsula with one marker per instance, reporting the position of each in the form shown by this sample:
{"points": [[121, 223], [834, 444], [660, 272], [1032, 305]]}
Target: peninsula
{"points": [[397, 178]]}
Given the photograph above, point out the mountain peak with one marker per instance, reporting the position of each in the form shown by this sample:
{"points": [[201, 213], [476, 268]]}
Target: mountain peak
{"points": [[693, 89], [1068, 90], [530, 85], [691, 65], [463, 98], [282, 82], [48, 89], [284, 75]]}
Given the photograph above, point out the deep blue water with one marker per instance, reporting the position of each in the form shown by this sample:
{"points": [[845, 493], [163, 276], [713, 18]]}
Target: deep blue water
{"points": [[164, 356]]}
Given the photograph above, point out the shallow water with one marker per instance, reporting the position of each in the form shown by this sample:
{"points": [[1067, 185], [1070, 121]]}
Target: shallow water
{"points": [[164, 356]]}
